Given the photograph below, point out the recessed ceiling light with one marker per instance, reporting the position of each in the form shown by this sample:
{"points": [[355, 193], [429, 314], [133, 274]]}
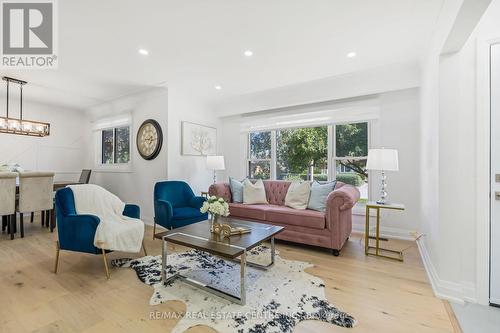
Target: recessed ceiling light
{"points": [[248, 53], [218, 87], [351, 54], [143, 51]]}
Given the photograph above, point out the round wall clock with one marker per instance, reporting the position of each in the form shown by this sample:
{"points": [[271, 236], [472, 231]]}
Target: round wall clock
{"points": [[149, 139]]}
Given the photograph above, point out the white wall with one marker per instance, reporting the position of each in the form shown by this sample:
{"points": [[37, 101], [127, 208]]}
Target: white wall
{"points": [[429, 146], [64, 151], [451, 251], [136, 186], [396, 128], [169, 109], [395, 77], [191, 169]]}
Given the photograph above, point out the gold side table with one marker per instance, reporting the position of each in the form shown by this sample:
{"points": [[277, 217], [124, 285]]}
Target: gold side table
{"points": [[375, 250], [204, 194]]}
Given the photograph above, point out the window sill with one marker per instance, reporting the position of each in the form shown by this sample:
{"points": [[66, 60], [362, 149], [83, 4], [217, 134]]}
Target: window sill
{"points": [[123, 168]]}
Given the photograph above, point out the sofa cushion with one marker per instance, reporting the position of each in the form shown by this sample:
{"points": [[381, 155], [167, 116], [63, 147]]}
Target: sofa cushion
{"points": [[255, 212], [236, 189], [254, 193], [181, 213], [319, 194], [298, 195], [286, 215]]}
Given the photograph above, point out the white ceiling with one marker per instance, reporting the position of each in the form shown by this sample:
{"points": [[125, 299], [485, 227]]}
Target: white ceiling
{"points": [[197, 44]]}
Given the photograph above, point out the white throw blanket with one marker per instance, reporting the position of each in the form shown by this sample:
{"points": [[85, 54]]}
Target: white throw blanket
{"points": [[115, 231]]}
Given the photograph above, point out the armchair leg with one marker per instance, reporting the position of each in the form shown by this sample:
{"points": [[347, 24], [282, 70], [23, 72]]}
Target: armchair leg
{"points": [[154, 229], [56, 264], [144, 248], [105, 263], [32, 217]]}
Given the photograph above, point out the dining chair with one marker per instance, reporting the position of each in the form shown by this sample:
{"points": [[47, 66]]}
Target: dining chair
{"points": [[8, 201], [35, 195], [85, 176]]}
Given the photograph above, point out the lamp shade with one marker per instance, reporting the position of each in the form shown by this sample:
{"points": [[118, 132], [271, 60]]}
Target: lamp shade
{"points": [[215, 163], [382, 159]]}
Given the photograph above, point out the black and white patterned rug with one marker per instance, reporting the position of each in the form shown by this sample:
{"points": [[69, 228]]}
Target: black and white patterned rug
{"points": [[277, 299]]}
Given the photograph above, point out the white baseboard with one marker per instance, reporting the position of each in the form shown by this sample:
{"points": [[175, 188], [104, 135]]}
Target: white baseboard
{"points": [[387, 232], [148, 220], [451, 291], [495, 301]]}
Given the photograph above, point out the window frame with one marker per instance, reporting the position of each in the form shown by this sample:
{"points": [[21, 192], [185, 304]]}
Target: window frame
{"points": [[115, 144], [359, 208], [331, 154], [275, 147], [249, 160], [333, 142], [112, 167], [102, 146]]}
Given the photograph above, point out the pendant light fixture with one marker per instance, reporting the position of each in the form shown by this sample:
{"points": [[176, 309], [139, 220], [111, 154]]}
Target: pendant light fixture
{"points": [[19, 125]]}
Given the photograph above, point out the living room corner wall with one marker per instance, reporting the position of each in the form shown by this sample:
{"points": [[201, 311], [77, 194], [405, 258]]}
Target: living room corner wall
{"points": [[169, 107], [192, 169], [450, 248], [136, 185], [66, 147]]}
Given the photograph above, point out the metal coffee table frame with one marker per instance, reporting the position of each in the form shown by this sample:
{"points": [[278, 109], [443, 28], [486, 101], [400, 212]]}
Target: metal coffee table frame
{"points": [[241, 299]]}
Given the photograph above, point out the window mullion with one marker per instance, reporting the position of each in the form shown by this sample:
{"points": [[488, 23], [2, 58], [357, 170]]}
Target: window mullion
{"points": [[273, 155], [368, 138], [102, 147], [114, 145], [330, 162]]}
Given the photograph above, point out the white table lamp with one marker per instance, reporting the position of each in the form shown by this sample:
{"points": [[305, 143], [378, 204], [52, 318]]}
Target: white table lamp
{"points": [[215, 163], [383, 160]]}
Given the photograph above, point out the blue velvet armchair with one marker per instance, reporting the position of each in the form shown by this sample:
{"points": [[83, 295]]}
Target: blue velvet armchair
{"points": [[76, 232], [176, 205]]}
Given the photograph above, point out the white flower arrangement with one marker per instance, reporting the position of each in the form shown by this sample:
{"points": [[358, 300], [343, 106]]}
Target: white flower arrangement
{"points": [[215, 206]]}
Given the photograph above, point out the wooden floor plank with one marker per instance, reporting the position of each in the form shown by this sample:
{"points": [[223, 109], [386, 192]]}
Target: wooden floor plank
{"points": [[383, 295]]}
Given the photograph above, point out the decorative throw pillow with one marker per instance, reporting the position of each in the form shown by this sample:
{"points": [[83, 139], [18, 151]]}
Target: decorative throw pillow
{"points": [[236, 189], [319, 194], [298, 195], [254, 193]]}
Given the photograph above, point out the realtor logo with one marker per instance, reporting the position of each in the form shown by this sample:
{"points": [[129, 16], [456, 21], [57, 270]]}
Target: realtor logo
{"points": [[28, 34]]}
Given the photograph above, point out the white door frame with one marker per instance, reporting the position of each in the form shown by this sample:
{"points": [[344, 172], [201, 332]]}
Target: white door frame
{"points": [[483, 156]]}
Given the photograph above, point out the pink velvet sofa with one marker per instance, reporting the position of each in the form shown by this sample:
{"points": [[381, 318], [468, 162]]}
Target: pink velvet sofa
{"points": [[330, 229]]}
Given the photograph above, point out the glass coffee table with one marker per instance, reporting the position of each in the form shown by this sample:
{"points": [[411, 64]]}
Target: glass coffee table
{"points": [[198, 236]]}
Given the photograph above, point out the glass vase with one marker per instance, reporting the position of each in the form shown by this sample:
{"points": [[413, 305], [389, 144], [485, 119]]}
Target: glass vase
{"points": [[214, 219]]}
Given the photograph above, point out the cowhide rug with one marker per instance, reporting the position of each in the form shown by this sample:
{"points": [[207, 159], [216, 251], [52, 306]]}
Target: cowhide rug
{"points": [[277, 299]]}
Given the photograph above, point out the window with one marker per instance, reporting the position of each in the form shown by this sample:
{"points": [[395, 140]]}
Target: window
{"points": [[259, 155], [115, 145], [350, 155], [302, 153]]}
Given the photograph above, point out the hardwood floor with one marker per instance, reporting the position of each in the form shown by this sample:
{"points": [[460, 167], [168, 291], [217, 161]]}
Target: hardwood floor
{"points": [[384, 296]]}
